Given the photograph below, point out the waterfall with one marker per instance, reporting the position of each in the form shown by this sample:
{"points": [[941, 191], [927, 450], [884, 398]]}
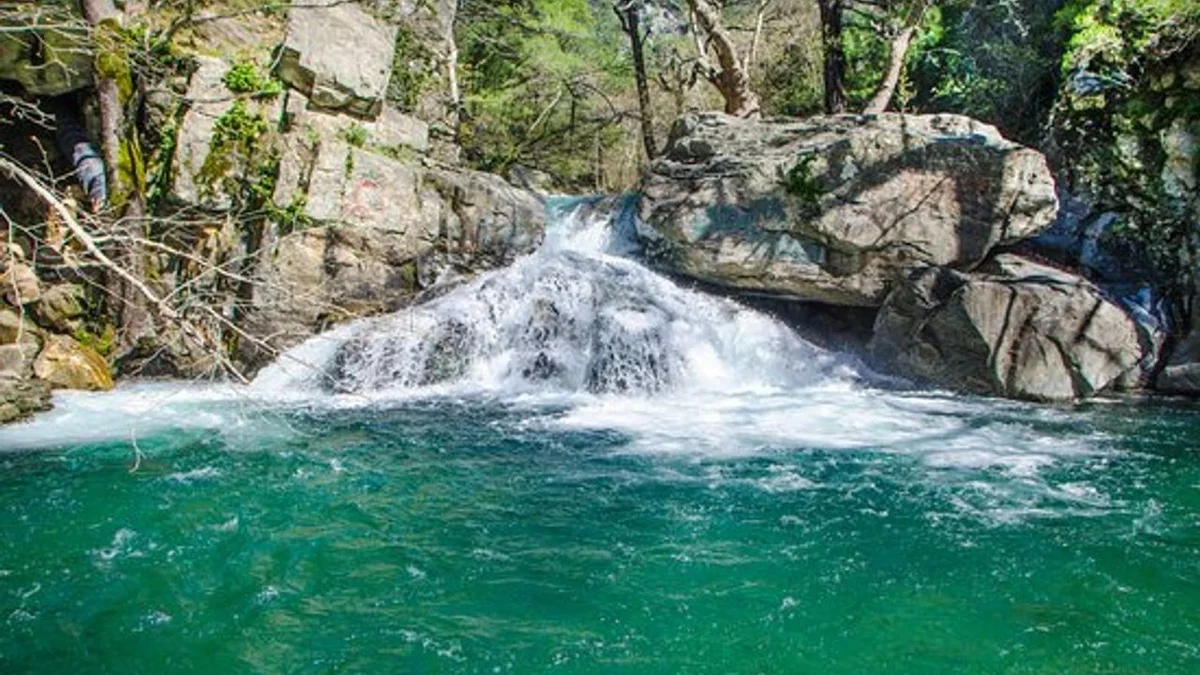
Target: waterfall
{"points": [[581, 314]]}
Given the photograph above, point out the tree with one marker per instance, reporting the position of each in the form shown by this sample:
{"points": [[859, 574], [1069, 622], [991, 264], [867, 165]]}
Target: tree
{"points": [[730, 75], [906, 18], [628, 12], [835, 55]]}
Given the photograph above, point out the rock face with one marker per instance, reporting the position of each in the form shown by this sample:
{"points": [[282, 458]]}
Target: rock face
{"points": [[50, 61], [359, 220], [20, 397], [338, 55], [1181, 375], [1015, 328], [219, 140], [835, 209], [364, 260], [66, 364]]}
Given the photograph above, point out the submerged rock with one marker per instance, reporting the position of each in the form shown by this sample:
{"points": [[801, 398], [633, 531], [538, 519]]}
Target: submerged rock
{"points": [[834, 209], [1016, 329]]}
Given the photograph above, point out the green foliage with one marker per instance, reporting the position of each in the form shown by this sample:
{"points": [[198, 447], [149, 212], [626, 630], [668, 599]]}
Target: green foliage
{"points": [[544, 83], [238, 128], [238, 160], [994, 60], [793, 84], [412, 70], [800, 183], [1120, 96], [290, 218], [356, 135], [103, 342], [246, 78]]}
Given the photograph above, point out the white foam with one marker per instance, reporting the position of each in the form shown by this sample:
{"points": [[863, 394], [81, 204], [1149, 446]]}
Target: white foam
{"points": [[129, 412], [611, 346]]}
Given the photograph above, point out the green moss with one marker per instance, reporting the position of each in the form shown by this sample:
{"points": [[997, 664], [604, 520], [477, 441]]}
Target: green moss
{"points": [[407, 274], [291, 218], [400, 153], [800, 183], [237, 142], [356, 135], [245, 77], [103, 343]]}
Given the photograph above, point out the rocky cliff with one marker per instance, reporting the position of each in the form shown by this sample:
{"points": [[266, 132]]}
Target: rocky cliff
{"points": [[305, 179], [908, 214]]}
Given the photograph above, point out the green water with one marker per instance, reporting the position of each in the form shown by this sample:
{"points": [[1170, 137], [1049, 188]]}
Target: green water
{"points": [[481, 537]]}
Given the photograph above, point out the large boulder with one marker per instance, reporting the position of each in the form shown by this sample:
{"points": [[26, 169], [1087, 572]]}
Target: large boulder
{"points": [[60, 307], [1015, 328], [835, 209], [66, 364], [338, 55]]}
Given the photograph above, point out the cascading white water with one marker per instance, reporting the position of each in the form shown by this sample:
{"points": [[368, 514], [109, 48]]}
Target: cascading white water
{"points": [[582, 337], [579, 315]]}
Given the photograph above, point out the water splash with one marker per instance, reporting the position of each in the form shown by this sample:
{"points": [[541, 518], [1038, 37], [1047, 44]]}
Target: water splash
{"points": [[577, 316]]}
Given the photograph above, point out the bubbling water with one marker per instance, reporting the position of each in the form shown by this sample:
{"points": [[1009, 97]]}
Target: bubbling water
{"points": [[573, 317]]}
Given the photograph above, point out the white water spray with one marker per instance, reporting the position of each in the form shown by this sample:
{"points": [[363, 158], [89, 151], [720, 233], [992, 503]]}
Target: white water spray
{"points": [[573, 317]]}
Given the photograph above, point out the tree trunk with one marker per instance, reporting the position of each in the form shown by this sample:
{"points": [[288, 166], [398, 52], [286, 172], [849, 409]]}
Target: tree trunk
{"points": [[456, 116], [730, 78], [628, 14], [899, 51], [133, 313], [835, 55]]}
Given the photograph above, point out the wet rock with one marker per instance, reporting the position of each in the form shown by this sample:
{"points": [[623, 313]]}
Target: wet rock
{"points": [[835, 209], [1181, 374], [64, 363], [21, 397], [1015, 328]]}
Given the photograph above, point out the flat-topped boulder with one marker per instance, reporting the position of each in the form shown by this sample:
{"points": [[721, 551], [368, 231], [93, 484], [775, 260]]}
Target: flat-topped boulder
{"points": [[1013, 328], [338, 55], [837, 208]]}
